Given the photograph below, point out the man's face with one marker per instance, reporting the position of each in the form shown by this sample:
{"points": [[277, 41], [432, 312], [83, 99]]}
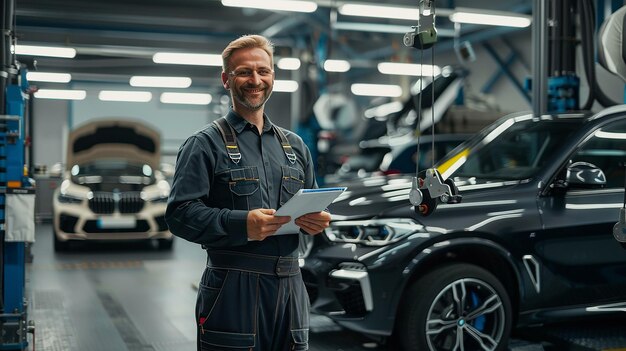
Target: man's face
{"points": [[250, 79]]}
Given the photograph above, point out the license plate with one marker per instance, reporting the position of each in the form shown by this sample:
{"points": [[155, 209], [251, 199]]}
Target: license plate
{"points": [[116, 223]]}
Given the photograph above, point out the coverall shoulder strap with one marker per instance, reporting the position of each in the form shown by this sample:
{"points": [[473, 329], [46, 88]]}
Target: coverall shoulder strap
{"points": [[291, 156], [230, 139]]}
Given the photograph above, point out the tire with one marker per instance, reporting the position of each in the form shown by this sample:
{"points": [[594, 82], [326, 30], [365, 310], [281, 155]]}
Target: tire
{"points": [[166, 244], [432, 320]]}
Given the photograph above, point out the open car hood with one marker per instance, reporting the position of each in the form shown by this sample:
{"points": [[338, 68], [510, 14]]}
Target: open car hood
{"points": [[114, 138]]}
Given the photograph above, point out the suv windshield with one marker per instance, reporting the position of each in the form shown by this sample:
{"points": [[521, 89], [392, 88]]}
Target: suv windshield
{"points": [[514, 150]]}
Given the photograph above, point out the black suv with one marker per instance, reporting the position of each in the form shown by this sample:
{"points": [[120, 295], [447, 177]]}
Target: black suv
{"points": [[531, 241]]}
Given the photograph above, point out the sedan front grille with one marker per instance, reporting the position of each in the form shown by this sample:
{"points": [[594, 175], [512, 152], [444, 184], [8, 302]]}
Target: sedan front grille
{"points": [[102, 202], [130, 202], [107, 203]]}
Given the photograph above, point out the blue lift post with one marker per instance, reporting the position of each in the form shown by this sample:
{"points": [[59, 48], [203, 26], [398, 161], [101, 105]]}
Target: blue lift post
{"points": [[16, 193], [13, 319]]}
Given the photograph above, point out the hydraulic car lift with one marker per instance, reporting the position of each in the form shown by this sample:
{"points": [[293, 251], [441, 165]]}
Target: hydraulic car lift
{"points": [[16, 194]]}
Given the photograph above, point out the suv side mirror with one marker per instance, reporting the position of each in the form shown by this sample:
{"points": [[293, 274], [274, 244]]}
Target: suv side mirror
{"points": [[585, 175]]}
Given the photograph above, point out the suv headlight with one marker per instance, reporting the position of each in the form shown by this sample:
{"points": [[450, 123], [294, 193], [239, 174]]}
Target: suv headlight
{"points": [[69, 199], [160, 199], [374, 232], [155, 197]]}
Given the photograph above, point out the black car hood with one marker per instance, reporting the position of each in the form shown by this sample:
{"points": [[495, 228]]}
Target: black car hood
{"points": [[388, 196]]}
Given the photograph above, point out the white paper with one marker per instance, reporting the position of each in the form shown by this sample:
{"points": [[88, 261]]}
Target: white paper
{"points": [[303, 202]]}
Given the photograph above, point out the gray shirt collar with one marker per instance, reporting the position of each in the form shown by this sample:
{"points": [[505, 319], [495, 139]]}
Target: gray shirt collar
{"points": [[239, 123]]}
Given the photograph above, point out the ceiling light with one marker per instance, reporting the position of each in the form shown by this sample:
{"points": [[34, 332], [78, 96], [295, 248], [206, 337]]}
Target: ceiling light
{"points": [[61, 94], [372, 27], [385, 28], [285, 86], [492, 18], [288, 63], [178, 58], [408, 69], [376, 90], [395, 12], [277, 5], [50, 51], [160, 82], [48, 77], [128, 96], [336, 66], [186, 98]]}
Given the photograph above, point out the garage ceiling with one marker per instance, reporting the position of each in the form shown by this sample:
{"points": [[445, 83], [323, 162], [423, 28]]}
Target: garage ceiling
{"points": [[115, 39]]}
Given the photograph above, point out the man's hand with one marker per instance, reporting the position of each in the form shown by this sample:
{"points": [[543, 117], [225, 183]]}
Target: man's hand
{"points": [[262, 223], [314, 223]]}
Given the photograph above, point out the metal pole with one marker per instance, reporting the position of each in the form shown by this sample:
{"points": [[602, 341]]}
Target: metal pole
{"points": [[540, 58]]}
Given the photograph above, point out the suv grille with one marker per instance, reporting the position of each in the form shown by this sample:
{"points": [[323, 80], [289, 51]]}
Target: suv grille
{"points": [[102, 203], [351, 299], [106, 203], [130, 202]]}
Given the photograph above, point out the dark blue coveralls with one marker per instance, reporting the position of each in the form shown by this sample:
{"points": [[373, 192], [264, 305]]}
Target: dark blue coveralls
{"points": [[251, 295]]}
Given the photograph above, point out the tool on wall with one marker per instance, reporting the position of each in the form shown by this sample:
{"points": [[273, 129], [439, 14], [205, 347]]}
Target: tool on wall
{"points": [[426, 193]]}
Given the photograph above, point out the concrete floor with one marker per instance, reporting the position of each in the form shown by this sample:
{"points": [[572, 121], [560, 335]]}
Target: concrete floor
{"points": [[130, 296]]}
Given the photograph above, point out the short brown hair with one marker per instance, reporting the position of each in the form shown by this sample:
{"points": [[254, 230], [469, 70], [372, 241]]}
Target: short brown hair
{"points": [[247, 41]]}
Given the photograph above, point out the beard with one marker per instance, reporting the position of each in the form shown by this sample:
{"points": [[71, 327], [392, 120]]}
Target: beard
{"points": [[253, 104]]}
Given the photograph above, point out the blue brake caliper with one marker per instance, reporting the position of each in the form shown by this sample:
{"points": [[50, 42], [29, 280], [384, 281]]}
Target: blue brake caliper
{"points": [[478, 322]]}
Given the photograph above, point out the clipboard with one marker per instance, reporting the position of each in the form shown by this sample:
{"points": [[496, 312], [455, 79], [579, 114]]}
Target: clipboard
{"points": [[303, 202]]}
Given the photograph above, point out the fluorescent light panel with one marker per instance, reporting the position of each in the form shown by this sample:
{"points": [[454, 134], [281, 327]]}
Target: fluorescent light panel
{"points": [[395, 12], [388, 90], [372, 27], [61, 94], [285, 86], [186, 98], [288, 63], [336, 66], [160, 82], [276, 5], [50, 51], [48, 77], [178, 58], [128, 96], [491, 18], [385, 28], [408, 69]]}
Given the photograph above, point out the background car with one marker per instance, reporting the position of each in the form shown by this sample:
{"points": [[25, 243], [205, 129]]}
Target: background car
{"points": [[531, 241], [112, 188], [396, 155]]}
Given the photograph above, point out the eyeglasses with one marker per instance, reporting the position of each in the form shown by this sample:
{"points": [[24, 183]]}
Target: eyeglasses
{"points": [[247, 73]]}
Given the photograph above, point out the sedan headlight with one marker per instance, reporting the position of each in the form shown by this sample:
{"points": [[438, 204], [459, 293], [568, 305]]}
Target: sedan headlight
{"points": [[69, 199], [375, 232]]}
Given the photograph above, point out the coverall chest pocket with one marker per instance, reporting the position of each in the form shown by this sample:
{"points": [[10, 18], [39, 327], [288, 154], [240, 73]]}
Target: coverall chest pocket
{"points": [[292, 181], [244, 188]]}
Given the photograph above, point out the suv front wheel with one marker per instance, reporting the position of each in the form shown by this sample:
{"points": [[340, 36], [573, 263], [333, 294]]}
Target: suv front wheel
{"points": [[455, 307]]}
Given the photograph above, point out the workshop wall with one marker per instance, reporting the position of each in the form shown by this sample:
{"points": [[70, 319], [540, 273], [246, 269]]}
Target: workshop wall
{"points": [[52, 119]]}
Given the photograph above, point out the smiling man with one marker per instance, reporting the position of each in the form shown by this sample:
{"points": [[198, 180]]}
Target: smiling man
{"points": [[230, 178]]}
